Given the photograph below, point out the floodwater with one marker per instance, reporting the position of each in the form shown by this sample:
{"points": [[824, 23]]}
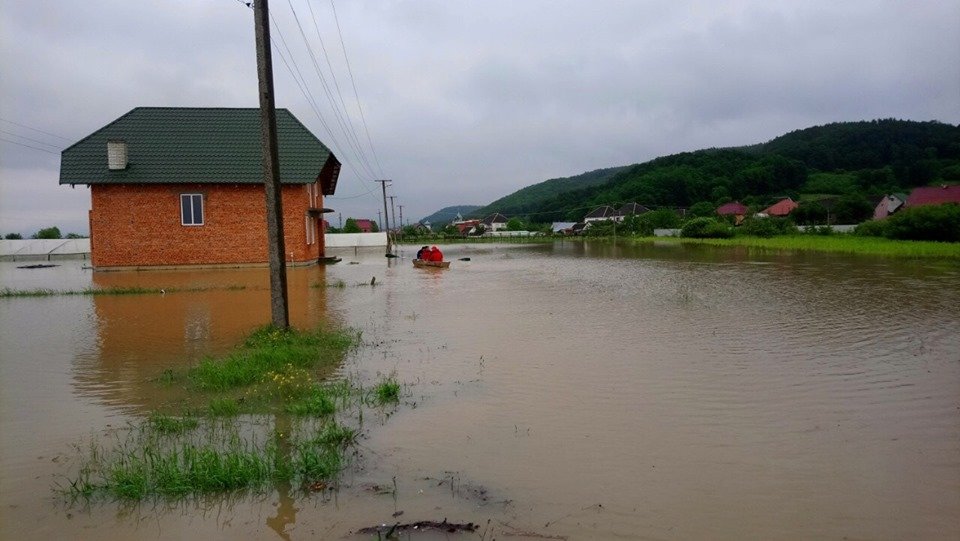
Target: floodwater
{"points": [[564, 391]]}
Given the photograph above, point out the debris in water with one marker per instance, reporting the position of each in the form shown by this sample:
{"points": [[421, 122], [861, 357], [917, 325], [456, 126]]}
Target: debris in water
{"points": [[423, 525], [37, 266]]}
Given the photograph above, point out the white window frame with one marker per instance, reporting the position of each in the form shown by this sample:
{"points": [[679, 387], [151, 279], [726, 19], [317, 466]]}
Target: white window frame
{"points": [[193, 221], [311, 232]]}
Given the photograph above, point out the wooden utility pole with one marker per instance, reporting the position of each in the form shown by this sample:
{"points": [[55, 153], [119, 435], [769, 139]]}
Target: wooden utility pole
{"points": [[386, 217], [401, 222], [393, 213], [279, 310]]}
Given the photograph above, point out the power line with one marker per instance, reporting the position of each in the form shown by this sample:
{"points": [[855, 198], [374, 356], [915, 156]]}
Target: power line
{"points": [[30, 146], [333, 75], [356, 94], [333, 102], [31, 140], [35, 129]]}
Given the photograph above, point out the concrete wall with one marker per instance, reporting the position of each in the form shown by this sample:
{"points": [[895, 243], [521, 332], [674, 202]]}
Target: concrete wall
{"points": [[350, 240]]}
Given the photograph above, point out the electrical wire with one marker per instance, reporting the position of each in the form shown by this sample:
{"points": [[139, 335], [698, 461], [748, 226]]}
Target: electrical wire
{"points": [[30, 146], [356, 94], [35, 129]]}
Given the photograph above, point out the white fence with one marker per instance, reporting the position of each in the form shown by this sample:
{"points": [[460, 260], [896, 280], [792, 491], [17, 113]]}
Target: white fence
{"points": [[44, 249], [353, 240]]}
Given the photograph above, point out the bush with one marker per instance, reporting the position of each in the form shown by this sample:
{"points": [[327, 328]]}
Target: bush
{"points": [[767, 227], [930, 222], [705, 228], [48, 233], [872, 228]]}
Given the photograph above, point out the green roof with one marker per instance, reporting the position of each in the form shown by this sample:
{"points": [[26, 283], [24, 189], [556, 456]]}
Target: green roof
{"points": [[175, 145]]}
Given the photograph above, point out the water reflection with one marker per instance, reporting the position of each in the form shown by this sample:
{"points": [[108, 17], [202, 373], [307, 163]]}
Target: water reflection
{"points": [[140, 336]]}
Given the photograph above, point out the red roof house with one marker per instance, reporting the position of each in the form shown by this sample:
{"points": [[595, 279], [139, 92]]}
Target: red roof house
{"points": [[734, 208], [365, 225], [780, 208], [933, 195]]}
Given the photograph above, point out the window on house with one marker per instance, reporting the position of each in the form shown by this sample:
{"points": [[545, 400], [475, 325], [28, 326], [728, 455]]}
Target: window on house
{"points": [[310, 230], [191, 209]]}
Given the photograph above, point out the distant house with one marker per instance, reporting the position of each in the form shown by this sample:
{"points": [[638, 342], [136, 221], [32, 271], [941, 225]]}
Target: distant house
{"points": [[888, 205], [422, 228], [933, 195], [578, 228], [600, 214], [630, 209], [736, 209], [562, 227], [467, 227], [780, 208], [495, 222], [365, 225], [175, 186]]}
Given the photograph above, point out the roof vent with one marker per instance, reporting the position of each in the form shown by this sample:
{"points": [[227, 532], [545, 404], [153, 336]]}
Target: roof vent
{"points": [[117, 154]]}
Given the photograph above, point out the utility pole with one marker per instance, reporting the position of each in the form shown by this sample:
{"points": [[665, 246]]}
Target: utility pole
{"points": [[279, 310], [401, 222], [386, 217], [340, 216], [393, 211], [380, 220]]}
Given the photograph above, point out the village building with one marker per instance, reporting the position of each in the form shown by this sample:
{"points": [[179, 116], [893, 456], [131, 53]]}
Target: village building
{"points": [[889, 205], [599, 214], [495, 222], [933, 195], [781, 208], [365, 225], [630, 209], [175, 186], [565, 228], [736, 209], [467, 227]]}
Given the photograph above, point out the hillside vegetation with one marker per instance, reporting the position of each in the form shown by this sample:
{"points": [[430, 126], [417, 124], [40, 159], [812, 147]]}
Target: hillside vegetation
{"points": [[852, 163], [447, 214]]}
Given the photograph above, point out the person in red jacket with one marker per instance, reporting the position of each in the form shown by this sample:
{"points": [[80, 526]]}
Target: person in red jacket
{"points": [[436, 254]]}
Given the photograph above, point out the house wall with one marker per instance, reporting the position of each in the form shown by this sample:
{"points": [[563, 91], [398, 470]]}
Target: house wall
{"points": [[140, 225]]}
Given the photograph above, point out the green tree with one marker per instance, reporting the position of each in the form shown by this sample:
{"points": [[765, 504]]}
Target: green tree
{"points": [[13, 236], [48, 233], [702, 209], [515, 224], [351, 226]]}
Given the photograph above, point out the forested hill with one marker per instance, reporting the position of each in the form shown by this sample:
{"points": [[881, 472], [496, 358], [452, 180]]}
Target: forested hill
{"points": [[447, 214], [859, 161], [524, 200]]}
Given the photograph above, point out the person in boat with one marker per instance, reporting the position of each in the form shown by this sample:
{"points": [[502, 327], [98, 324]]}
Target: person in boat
{"points": [[423, 252], [436, 254]]}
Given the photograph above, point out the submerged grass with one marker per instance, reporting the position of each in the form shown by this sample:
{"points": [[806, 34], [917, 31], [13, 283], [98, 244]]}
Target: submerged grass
{"points": [[848, 244], [44, 292], [213, 450], [270, 350]]}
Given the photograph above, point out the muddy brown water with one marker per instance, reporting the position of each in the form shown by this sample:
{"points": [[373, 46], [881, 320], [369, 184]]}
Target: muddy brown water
{"points": [[574, 391]]}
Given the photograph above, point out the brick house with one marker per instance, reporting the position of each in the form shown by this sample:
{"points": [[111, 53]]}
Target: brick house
{"points": [[177, 186]]}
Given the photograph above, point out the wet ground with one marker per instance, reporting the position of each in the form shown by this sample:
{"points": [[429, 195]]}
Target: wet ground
{"points": [[565, 391]]}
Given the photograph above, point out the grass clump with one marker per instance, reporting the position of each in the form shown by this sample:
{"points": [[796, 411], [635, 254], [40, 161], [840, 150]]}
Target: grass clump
{"points": [[210, 450], [167, 424], [387, 391], [270, 350], [840, 243]]}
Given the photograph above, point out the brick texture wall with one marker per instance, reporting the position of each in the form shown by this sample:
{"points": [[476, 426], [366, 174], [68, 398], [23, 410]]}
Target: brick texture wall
{"points": [[140, 225]]}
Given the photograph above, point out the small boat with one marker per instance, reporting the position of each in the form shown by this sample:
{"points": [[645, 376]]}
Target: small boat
{"points": [[422, 263]]}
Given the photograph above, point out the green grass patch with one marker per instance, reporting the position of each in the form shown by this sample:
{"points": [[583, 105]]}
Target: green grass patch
{"points": [[292, 429], [846, 244], [270, 350], [387, 391], [168, 424]]}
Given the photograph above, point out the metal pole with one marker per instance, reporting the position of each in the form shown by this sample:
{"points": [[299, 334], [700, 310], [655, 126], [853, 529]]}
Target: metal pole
{"points": [[279, 311], [393, 212]]}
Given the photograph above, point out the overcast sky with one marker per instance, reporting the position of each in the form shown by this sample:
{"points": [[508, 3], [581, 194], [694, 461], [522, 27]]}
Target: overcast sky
{"points": [[468, 101]]}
